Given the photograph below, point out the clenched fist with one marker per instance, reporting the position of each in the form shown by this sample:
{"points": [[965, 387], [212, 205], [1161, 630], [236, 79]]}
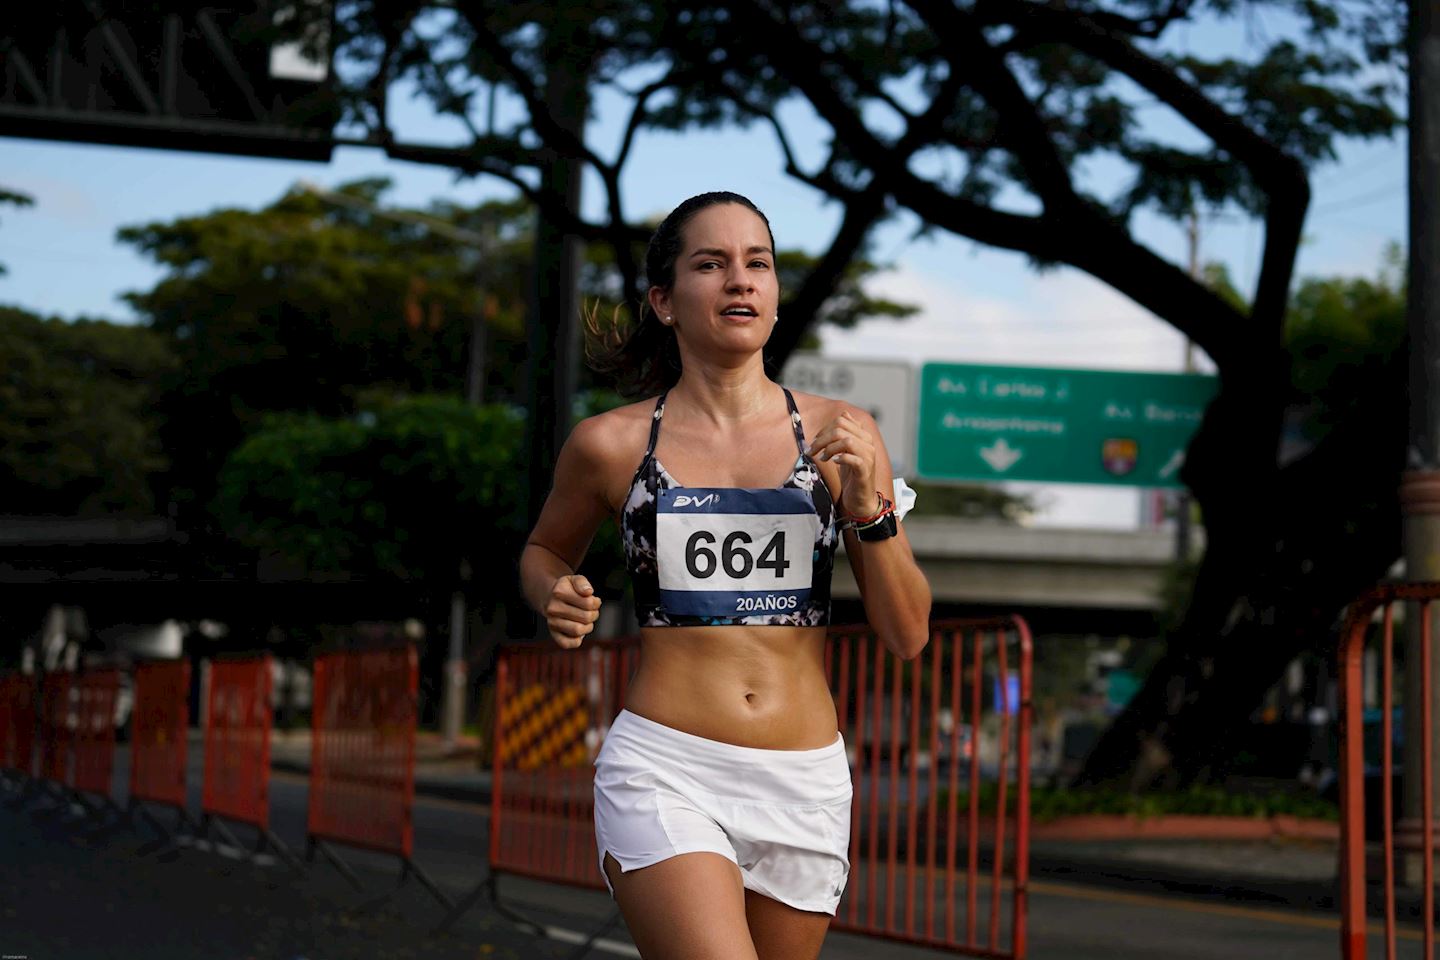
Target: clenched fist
{"points": [[571, 611]]}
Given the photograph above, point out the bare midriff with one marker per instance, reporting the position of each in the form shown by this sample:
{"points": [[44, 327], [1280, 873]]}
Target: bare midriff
{"points": [[750, 686]]}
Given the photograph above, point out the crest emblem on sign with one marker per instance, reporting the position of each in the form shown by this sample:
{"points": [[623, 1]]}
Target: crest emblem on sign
{"points": [[1119, 455]]}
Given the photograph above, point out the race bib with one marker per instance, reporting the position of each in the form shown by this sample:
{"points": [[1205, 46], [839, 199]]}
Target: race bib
{"points": [[734, 552]]}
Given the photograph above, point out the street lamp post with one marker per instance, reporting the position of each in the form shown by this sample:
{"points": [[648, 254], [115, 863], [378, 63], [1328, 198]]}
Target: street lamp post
{"points": [[1420, 488]]}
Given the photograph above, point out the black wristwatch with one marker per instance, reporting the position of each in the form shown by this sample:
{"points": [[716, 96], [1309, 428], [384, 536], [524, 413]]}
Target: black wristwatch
{"points": [[882, 529]]}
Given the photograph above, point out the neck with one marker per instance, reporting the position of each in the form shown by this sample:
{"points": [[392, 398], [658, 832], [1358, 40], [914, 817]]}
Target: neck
{"points": [[725, 394]]}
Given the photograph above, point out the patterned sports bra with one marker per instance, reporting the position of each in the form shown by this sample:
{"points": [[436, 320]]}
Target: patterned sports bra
{"points": [[729, 556]]}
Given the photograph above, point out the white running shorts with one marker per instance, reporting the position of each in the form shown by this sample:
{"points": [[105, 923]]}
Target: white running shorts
{"points": [[782, 816]]}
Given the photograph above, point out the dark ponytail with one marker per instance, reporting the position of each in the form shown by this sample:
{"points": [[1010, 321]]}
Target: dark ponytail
{"points": [[645, 357]]}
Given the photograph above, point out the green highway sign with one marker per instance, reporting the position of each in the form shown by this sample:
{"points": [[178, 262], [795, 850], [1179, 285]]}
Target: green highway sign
{"points": [[1057, 426]]}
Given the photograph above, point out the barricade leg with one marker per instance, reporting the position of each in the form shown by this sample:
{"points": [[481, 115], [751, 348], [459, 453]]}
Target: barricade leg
{"points": [[265, 838], [313, 844], [106, 813], [28, 789], [407, 867], [167, 840], [424, 880], [282, 850], [59, 797], [230, 841], [484, 889], [489, 889]]}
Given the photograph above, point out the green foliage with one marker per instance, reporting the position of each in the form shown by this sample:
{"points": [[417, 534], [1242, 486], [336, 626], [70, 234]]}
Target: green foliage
{"points": [[406, 489], [78, 428], [1216, 276], [306, 304], [1341, 333]]}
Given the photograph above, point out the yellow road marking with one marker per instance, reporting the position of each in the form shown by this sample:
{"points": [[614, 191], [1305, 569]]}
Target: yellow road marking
{"points": [[1177, 903]]}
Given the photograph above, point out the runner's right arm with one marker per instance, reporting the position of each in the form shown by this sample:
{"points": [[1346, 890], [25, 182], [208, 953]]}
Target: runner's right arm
{"points": [[572, 513]]}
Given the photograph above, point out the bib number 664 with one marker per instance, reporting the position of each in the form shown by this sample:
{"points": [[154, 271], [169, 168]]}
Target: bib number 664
{"points": [[701, 561]]}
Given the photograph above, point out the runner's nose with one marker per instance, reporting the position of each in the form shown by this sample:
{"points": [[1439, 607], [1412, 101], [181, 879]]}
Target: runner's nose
{"points": [[738, 279]]}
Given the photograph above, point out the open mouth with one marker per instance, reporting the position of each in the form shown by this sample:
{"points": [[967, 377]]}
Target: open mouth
{"points": [[738, 312]]}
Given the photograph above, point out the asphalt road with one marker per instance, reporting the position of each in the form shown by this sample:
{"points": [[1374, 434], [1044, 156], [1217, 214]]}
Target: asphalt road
{"points": [[65, 895]]}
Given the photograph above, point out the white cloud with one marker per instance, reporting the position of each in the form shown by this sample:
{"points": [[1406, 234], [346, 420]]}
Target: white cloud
{"points": [[55, 198], [1063, 318]]}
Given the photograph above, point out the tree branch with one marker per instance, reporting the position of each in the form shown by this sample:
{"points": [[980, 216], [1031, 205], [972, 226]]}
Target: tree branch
{"points": [[819, 181], [1111, 255], [1020, 125], [637, 113], [480, 161], [1033, 235], [549, 130], [1280, 175], [862, 210]]}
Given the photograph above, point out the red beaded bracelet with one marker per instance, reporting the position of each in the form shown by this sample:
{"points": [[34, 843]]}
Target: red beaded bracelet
{"points": [[886, 506]]}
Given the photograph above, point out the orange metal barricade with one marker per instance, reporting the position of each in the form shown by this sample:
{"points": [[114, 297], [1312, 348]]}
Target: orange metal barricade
{"points": [[552, 708], [940, 826], [362, 770], [57, 724], [237, 742], [362, 766], [940, 756], [1353, 644], [93, 744], [17, 725], [159, 733]]}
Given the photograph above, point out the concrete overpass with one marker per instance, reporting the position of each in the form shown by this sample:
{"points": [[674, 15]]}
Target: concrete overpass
{"points": [[992, 564]]}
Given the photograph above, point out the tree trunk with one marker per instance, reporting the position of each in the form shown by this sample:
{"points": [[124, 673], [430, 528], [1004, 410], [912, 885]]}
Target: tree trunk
{"points": [[1331, 529], [554, 340]]}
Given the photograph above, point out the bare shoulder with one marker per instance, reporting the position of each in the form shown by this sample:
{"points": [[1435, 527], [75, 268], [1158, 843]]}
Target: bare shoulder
{"points": [[817, 411], [610, 445], [616, 430]]}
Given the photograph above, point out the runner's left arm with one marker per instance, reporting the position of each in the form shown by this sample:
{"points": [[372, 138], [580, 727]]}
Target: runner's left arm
{"points": [[892, 585]]}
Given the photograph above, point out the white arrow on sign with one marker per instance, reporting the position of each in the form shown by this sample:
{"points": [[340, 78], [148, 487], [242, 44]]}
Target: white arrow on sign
{"points": [[1176, 461], [1000, 455]]}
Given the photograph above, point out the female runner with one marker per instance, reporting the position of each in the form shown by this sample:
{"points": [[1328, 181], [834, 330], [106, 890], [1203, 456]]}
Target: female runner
{"points": [[722, 791]]}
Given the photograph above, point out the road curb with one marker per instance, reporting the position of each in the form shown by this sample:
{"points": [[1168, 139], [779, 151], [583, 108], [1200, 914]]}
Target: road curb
{"points": [[460, 793]]}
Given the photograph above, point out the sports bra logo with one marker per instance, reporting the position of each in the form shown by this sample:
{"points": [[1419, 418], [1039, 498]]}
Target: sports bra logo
{"points": [[682, 500]]}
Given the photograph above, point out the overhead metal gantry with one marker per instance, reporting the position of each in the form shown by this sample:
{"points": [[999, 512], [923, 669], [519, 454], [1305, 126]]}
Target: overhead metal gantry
{"points": [[221, 79]]}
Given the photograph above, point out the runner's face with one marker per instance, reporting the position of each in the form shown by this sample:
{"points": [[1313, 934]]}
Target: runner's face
{"points": [[726, 292]]}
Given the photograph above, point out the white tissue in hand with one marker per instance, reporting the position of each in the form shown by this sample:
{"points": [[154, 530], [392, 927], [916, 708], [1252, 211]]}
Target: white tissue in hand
{"points": [[904, 498]]}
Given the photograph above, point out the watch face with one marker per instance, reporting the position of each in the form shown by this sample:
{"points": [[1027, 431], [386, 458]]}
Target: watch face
{"points": [[882, 530]]}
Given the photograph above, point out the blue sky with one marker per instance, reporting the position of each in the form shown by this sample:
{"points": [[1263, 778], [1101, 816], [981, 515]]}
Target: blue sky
{"points": [[978, 304]]}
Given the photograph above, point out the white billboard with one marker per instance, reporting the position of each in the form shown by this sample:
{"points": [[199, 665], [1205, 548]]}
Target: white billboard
{"points": [[883, 388]]}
